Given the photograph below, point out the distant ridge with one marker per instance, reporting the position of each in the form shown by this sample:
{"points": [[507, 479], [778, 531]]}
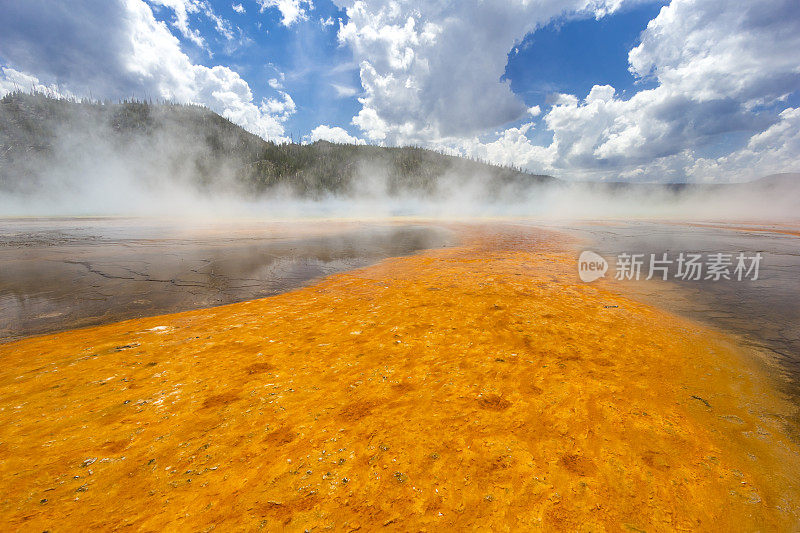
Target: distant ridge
{"points": [[779, 180], [785, 179], [45, 142], [40, 135]]}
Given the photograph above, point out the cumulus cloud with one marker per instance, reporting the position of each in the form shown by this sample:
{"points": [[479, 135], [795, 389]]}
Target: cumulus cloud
{"points": [[715, 49], [431, 74], [512, 148], [239, 8], [334, 134], [432, 70], [291, 10], [716, 65], [13, 80], [119, 50], [774, 150], [604, 131]]}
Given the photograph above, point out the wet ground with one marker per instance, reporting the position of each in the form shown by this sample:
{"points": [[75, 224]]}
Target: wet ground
{"points": [[58, 274], [764, 313], [477, 387]]}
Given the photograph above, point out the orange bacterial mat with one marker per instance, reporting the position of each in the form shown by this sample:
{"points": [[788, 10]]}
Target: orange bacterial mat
{"points": [[475, 387]]}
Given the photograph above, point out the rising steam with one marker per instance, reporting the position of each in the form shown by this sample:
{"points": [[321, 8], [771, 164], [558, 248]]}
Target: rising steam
{"points": [[181, 161]]}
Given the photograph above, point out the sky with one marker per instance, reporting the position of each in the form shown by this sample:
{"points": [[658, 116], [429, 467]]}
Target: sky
{"points": [[633, 90]]}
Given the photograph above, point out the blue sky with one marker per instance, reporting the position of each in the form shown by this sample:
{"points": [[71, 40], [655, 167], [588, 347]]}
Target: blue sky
{"points": [[305, 57], [568, 55], [672, 90], [572, 55]]}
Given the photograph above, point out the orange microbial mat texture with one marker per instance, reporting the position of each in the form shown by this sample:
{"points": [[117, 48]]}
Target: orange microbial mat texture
{"points": [[475, 387]]}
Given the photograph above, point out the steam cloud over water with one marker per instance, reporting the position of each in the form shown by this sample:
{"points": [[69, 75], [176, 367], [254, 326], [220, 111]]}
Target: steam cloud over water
{"points": [[69, 158]]}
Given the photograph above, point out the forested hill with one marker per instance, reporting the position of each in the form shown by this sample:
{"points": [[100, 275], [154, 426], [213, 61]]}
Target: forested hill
{"points": [[44, 140]]}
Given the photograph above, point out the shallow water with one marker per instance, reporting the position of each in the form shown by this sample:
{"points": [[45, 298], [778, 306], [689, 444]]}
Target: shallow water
{"points": [[471, 388], [57, 274], [765, 313]]}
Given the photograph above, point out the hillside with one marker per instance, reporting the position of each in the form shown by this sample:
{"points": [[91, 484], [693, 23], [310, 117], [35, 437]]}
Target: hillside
{"points": [[791, 179], [55, 143]]}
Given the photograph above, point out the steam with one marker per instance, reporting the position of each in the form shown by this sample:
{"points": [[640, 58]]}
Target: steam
{"points": [[171, 170]]}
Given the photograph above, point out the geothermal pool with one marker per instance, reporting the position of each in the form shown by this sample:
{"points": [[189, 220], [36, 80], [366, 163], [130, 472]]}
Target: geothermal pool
{"points": [[474, 386], [58, 274], [63, 273], [763, 313]]}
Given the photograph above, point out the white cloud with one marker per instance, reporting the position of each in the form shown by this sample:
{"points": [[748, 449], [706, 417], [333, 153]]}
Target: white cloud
{"points": [[222, 26], [280, 108], [239, 8], [712, 49], [774, 150], [344, 91], [119, 50], [333, 134], [432, 70], [715, 63], [512, 148], [184, 8], [431, 74], [291, 10], [371, 124], [12, 80]]}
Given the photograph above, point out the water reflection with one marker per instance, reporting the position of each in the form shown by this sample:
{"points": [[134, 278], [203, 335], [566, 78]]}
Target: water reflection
{"points": [[764, 312], [61, 274]]}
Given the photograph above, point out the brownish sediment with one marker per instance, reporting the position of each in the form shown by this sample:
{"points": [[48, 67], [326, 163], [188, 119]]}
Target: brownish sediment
{"points": [[782, 229], [477, 387]]}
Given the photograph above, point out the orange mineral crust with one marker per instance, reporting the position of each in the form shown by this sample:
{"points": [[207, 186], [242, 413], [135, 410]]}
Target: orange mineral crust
{"points": [[475, 387]]}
